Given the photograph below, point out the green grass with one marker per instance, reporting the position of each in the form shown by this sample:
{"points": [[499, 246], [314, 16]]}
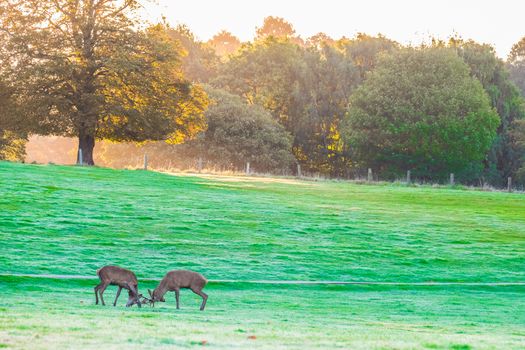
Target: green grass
{"points": [[70, 221]]}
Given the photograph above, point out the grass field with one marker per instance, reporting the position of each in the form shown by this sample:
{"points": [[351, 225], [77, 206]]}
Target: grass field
{"points": [[70, 221]]}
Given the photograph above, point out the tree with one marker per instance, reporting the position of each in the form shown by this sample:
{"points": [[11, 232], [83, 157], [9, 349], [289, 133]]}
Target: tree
{"points": [[265, 72], [87, 71], [319, 40], [224, 43], [516, 62], [364, 50], [420, 110], [504, 157], [238, 133], [199, 61], [305, 90], [275, 26], [13, 132], [518, 136], [12, 146], [321, 101]]}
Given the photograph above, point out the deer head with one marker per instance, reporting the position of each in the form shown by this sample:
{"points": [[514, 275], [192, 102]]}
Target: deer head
{"points": [[154, 298], [134, 299]]}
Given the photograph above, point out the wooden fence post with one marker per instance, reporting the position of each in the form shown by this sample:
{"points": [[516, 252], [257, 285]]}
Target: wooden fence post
{"points": [[145, 161], [79, 162], [247, 168], [370, 175], [299, 170], [199, 164], [451, 179], [509, 184], [408, 177]]}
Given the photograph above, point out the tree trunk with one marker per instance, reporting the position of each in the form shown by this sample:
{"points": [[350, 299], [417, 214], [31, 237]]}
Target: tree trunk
{"points": [[86, 143]]}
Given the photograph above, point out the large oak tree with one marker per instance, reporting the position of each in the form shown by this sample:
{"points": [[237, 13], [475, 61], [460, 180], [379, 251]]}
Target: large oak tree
{"points": [[89, 69]]}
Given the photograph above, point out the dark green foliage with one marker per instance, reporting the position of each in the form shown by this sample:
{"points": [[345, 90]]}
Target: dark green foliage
{"points": [[13, 131], [325, 85], [238, 133], [306, 90], [420, 110], [504, 157], [518, 137]]}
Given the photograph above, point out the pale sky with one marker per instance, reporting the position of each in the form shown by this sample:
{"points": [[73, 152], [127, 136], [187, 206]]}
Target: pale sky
{"points": [[500, 23]]}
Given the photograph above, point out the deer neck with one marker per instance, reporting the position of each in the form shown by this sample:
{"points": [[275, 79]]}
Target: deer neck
{"points": [[161, 289]]}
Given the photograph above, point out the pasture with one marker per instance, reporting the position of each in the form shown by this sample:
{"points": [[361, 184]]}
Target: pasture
{"points": [[236, 231]]}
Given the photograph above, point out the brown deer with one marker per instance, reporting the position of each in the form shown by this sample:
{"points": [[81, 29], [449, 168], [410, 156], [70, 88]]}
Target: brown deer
{"points": [[177, 279], [117, 276]]}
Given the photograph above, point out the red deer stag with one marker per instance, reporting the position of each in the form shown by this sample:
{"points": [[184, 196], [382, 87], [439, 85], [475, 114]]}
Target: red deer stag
{"points": [[177, 279], [117, 276]]}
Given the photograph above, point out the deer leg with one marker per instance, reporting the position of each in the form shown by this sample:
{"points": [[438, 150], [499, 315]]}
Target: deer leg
{"points": [[101, 292], [96, 292], [203, 295], [118, 294], [177, 293]]}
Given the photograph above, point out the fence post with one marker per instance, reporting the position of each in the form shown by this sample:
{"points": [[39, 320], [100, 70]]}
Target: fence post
{"points": [[370, 175], [451, 179], [247, 168], [145, 161], [199, 164], [299, 170], [509, 184], [408, 177], [79, 162]]}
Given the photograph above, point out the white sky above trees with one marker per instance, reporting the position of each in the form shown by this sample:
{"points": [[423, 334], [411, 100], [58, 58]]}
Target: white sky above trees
{"points": [[499, 23]]}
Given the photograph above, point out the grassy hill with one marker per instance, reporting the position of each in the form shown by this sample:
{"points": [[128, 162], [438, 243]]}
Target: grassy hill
{"points": [[70, 221]]}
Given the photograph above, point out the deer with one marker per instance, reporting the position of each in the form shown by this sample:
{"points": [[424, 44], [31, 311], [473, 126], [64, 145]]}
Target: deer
{"points": [[176, 280], [117, 276]]}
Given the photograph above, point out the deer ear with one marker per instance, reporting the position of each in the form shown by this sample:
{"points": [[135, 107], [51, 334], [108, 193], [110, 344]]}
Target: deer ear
{"points": [[150, 294]]}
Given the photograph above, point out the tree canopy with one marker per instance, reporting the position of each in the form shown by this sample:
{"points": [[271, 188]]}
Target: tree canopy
{"points": [[306, 90], [364, 50], [89, 72], [224, 43], [420, 110], [238, 133], [93, 70], [276, 27], [199, 60], [13, 131], [504, 157]]}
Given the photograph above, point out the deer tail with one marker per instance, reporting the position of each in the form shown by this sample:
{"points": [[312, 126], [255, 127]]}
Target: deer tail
{"points": [[98, 272]]}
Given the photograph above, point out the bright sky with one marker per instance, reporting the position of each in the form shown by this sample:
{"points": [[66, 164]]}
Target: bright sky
{"points": [[499, 23]]}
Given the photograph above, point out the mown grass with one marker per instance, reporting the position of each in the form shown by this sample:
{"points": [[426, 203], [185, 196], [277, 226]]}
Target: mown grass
{"points": [[71, 221]]}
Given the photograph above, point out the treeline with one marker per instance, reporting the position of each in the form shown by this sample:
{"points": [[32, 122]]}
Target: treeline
{"points": [[334, 106]]}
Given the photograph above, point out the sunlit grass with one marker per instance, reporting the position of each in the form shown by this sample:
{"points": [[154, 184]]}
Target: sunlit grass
{"points": [[71, 221]]}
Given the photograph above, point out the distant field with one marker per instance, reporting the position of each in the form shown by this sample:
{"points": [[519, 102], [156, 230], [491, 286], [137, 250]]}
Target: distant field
{"points": [[70, 221]]}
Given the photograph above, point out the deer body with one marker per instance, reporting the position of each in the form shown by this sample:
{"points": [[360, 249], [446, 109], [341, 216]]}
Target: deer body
{"points": [[176, 280], [117, 276]]}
